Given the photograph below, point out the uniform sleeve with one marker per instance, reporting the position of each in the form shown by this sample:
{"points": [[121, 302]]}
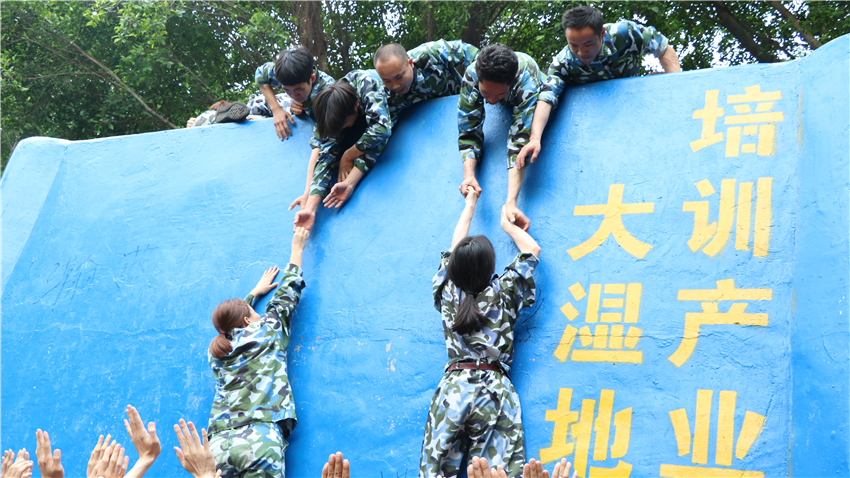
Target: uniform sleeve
{"points": [[517, 282], [557, 79], [440, 279], [470, 117], [647, 38], [528, 87], [457, 54], [328, 150], [264, 75], [282, 306], [379, 126]]}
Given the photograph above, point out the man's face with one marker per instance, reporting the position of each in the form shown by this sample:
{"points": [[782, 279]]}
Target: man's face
{"points": [[584, 43], [396, 74], [301, 91], [493, 92]]}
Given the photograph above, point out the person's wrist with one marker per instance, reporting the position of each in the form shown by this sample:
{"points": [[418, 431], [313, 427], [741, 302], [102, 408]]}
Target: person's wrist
{"points": [[510, 202]]}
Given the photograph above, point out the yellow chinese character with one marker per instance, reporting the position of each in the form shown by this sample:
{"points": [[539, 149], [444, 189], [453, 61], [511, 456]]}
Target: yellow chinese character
{"points": [[719, 232], [750, 430], [710, 314], [759, 123], [579, 425], [708, 115], [606, 342], [766, 132], [612, 224]]}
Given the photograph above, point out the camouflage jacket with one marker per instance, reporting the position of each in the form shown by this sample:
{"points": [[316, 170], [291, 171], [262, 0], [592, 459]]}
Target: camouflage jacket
{"points": [[500, 303], [379, 126], [251, 382], [435, 72], [205, 119], [264, 76], [623, 48], [522, 97]]}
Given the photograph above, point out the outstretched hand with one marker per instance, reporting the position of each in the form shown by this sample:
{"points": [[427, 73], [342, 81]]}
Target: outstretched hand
{"points": [[146, 442], [512, 216], [471, 196], [97, 454], [265, 284], [17, 467], [50, 463], [300, 201], [532, 148], [338, 195], [478, 468], [280, 125], [562, 470], [336, 467], [193, 454], [113, 464], [534, 469], [304, 218], [467, 182]]}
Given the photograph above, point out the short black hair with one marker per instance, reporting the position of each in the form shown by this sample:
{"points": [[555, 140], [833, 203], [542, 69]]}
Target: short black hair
{"points": [[390, 50], [332, 106], [292, 67], [584, 16], [497, 63]]}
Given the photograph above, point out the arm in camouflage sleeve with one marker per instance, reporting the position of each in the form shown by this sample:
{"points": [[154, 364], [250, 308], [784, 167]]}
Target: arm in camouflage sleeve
{"points": [[286, 296], [457, 54], [470, 118], [264, 75], [379, 125], [523, 114], [322, 172], [648, 38], [555, 82]]}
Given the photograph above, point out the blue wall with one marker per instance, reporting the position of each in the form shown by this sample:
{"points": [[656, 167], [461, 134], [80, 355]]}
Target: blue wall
{"points": [[115, 252]]}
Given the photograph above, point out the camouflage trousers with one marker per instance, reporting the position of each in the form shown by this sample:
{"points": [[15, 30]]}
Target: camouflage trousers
{"points": [[477, 413], [253, 451]]}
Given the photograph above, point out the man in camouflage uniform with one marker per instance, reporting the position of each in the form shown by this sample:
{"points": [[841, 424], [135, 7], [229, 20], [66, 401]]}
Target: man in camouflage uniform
{"points": [[294, 71], [367, 129], [595, 52], [431, 70], [498, 75], [253, 411]]}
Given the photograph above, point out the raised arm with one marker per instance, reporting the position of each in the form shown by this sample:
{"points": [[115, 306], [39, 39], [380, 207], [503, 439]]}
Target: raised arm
{"points": [[462, 228], [522, 239], [264, 78], [470, 126]]}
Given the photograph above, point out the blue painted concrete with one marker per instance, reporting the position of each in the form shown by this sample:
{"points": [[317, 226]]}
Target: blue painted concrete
{"points": [[115, 252]]}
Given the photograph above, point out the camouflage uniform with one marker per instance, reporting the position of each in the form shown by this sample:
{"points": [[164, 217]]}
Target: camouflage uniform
{"points": [[264, 76], [253, 410], [258, 106], [623, 48], [373, 104], [522, 97], [437, 70], [478, 411], [205, 119]]}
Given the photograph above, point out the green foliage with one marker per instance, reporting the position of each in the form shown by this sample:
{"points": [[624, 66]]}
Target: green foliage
{"points": [[79, 70]]}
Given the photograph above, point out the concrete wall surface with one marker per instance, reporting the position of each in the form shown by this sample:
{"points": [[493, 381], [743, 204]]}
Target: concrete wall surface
{"points": [[691, 314]]}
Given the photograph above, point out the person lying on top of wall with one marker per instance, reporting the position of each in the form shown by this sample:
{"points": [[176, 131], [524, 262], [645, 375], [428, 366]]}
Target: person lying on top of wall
{"points": [[352, 119], [499, 75], [295, 72], [431, 70], [595, 52]]}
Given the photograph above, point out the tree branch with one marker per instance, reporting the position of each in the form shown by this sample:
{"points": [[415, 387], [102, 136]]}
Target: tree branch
{"points": [[810, 39], [740, 31]]}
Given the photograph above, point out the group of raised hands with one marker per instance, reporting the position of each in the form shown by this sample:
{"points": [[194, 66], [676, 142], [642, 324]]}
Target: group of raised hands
{"points": [[108, 460], [337, 467]]}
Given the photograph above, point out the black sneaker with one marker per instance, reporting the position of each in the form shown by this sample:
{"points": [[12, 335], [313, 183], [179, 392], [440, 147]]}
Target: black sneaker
{"points": [[235, 112]]}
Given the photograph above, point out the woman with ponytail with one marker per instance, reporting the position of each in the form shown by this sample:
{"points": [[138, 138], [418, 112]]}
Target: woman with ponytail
{"points": [[475, 410], [253, 411]]}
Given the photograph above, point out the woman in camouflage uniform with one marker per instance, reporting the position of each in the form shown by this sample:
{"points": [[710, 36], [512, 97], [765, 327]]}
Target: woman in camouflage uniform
{"points": [[475, 410], [253, 411]]}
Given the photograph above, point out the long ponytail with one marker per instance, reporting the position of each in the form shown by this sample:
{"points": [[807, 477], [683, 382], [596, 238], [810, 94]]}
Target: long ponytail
{"points": [[227, 316], [470, 266]]}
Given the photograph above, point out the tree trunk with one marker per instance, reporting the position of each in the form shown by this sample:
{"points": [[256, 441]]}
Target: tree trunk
{"points": [[430, 20], [481, 16], [742, 33], [311, 31], [810, 39]]}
